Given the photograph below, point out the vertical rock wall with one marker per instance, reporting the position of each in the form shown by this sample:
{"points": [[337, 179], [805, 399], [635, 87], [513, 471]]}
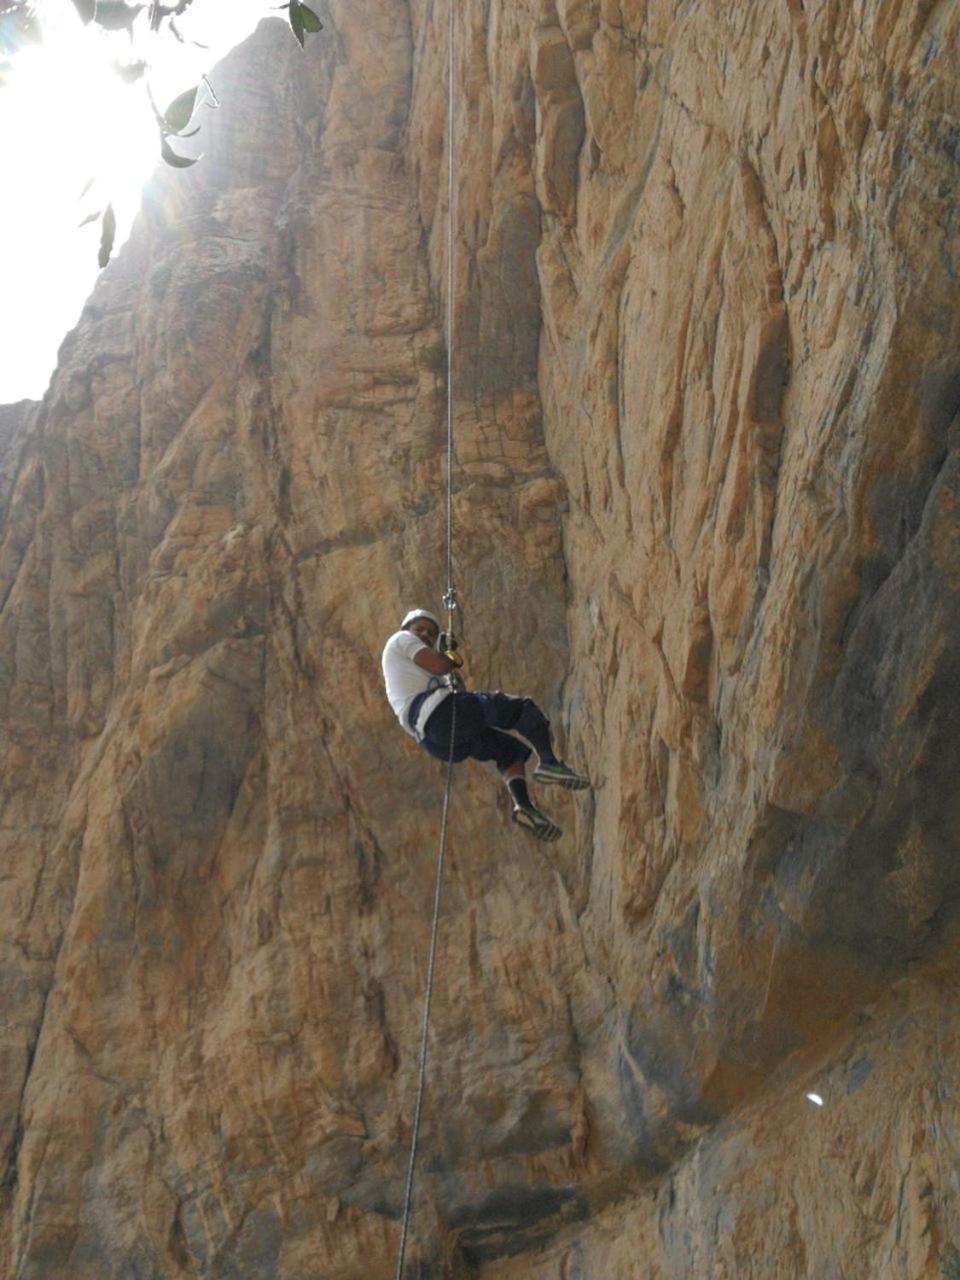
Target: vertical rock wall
{"points": [[747, 267], [706, 400]]}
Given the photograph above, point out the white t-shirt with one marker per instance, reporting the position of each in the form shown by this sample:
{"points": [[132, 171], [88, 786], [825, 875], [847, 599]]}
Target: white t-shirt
{"points": [[404, 679]]}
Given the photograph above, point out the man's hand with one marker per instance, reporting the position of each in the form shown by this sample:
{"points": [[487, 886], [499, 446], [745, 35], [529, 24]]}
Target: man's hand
{"points": [[453, 658], [438, 664], [447, 642]]}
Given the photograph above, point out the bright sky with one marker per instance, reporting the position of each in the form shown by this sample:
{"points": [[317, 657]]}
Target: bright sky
{"points": [[67, 117]]}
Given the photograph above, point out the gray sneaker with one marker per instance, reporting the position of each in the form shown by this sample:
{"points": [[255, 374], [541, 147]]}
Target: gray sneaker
{"points": [[560, 775], [537, 823]]}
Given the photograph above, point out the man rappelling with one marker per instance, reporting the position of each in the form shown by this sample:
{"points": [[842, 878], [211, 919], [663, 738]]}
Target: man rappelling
{"points": [[426, 691]]}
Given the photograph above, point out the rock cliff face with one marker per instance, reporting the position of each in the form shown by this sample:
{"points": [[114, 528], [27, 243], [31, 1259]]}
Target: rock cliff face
{"points": [[707, 393]]}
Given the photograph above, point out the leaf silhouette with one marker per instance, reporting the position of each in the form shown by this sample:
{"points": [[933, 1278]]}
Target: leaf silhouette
{"points": [[311, 22], [171, 157], [296, 21], [108, 230], [178, 34], [214, 100], [177, 115], [91, 217], [86, 9]]}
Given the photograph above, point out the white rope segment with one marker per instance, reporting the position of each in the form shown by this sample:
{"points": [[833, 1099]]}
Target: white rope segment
{"points": [[450, 602]]}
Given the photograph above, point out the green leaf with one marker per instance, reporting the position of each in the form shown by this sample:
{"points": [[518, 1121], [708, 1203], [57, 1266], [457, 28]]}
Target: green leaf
{"points": [[108, 230], [311, 22], [91, 217], [296, 21], [177, 115], [171, 157]]}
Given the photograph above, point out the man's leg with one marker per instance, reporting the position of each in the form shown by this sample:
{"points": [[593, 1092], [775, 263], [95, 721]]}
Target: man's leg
{"points": [[511, 756], [523, 716], [474, 737]]}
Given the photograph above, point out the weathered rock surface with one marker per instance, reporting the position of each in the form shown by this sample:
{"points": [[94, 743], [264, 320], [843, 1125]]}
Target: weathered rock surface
{"points": [[784, 1189], [16, 422], [707, 389]]}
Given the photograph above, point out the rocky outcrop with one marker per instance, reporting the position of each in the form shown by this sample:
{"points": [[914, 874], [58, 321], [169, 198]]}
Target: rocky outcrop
{"points": [[706, 395], [859, 1187]]}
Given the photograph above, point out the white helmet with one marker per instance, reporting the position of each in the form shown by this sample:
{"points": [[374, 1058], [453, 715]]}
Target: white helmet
{"points": [[419, 613]]}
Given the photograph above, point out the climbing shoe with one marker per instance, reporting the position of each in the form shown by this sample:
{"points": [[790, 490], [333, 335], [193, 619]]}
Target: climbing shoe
{"points": [[560, 775], [537, 823]]}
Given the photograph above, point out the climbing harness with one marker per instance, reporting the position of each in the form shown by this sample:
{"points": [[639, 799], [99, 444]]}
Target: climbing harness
{"points": [[452, 607]]}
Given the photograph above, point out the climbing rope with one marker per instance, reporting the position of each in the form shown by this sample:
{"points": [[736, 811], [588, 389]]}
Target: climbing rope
{"points": [[449, 598], [425, 1029], [451, 605]]}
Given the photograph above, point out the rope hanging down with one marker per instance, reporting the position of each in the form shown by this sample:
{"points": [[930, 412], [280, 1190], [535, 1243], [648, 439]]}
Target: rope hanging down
{"points": [[424, 1035], [450, 603], [450, 599]]}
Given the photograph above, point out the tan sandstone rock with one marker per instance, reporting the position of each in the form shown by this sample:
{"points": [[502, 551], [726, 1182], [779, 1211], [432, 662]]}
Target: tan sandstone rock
{"points": [[706, 395]]}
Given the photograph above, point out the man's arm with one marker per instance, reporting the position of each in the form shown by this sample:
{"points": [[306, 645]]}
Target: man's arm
{"points": [[433, 662]]}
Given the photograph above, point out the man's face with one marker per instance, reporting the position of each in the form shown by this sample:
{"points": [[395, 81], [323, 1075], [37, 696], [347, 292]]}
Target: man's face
{"points": [[425, 630]]}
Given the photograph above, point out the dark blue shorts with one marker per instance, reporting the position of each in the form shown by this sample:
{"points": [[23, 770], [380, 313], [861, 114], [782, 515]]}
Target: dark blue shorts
{"points": [[478, 728]]}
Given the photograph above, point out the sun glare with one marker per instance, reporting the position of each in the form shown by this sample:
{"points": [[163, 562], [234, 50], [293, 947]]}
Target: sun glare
{"points": [[75, 138]]}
